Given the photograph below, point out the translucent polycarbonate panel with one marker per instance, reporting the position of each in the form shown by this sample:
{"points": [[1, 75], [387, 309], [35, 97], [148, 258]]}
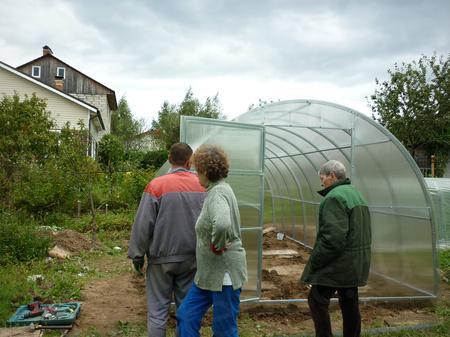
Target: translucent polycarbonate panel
{"points": [[318, 159], [242, 143], [402, 249], [289, 178], [439, 189], [334, 116], [278, 182], [304, 190], [318, 139], [277, 212], [310, 170], [299, 219], [268, 208], [283, 143], [302, 112], [251, 239], [247, 188], [338, 137], [164, 169], [343, 155], [287, 206], [272, 149], [249, 216], [312, 215], [288, 143], [281, 212], [365, 132], [386, 177]]}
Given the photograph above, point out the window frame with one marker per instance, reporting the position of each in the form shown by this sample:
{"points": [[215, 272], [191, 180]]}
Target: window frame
{"points": [[64, 72], [39, 71]]}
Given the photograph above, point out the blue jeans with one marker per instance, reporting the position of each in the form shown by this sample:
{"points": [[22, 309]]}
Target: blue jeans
{"points": [[198, 301]]}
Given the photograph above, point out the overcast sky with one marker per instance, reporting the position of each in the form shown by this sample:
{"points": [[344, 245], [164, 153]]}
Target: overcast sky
{"points": [[152, 51]]}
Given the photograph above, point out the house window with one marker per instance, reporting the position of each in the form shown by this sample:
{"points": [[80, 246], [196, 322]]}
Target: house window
{"points": [[36, 71], [61, 72]]}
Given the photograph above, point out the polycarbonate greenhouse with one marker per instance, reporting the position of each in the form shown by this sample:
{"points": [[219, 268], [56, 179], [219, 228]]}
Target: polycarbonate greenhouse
{"points": [[440, 196], [275, 154]]}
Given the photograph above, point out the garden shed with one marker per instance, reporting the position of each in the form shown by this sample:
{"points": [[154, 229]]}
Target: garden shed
{"points": [[275, 153]]}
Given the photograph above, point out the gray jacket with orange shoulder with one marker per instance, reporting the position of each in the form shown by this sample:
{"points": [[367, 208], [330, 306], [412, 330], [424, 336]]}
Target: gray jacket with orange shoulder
{"points": [[164, 225]]}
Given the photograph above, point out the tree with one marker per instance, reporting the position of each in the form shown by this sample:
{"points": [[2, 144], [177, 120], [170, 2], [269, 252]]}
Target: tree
{"points": [[414, 104], [166, 129], [25, 137], [124, 126], [110, 155], [110, 152]]}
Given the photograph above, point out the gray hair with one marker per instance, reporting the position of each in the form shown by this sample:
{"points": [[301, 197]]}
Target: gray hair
{"points": [[333, 166]]}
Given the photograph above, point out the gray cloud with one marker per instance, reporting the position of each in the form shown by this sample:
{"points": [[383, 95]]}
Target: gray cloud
{"points": [[342, 42]]}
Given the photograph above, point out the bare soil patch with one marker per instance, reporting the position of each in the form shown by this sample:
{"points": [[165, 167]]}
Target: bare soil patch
{"points": [[72, 241], [122, 298], [108, 301]]}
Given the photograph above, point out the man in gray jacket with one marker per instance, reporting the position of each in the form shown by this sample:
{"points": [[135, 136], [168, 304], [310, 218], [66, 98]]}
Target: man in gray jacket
{"points": [[164, 230]]}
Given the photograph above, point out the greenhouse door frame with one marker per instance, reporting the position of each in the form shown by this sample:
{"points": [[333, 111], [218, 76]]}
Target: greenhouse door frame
{"points": [[214, 131]]}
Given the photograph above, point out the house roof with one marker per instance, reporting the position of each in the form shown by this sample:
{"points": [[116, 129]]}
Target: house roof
{"points": [[56, 91], [111, 100]]}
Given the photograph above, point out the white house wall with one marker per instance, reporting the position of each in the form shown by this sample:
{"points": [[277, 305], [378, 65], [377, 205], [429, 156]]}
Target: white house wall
{"points": [[101, 102], [61, 110]]}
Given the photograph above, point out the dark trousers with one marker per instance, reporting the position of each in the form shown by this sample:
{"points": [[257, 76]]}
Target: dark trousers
{"points": [[319, 301]]}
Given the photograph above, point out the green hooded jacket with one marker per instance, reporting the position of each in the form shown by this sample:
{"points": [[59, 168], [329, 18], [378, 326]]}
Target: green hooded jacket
{"points": [[341, 255]]}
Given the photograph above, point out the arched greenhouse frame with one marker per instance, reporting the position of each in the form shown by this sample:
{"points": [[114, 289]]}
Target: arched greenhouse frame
{"points": [[275, 153]]}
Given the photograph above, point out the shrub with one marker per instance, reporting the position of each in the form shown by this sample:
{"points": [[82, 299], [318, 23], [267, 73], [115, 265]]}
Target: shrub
{"points": [[154, 159], [444, 261], [20, 239]]}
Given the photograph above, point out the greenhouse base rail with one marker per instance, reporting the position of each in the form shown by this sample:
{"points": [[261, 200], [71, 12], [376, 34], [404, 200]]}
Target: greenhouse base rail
{"points": [[376, 331]]}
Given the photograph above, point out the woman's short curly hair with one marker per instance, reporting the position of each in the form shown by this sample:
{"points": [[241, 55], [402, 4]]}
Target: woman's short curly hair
{"points": [[211, 161]]}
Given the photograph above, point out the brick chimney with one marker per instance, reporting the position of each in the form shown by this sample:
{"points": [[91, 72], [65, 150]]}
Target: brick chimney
{"points": [[59, 83], [46, 50]]}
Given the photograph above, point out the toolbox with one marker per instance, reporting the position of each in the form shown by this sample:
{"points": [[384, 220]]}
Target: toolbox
{"points": [[45, 314]]}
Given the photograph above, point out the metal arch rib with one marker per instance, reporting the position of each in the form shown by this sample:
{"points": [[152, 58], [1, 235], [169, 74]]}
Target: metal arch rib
{"points": [[316, 131]]}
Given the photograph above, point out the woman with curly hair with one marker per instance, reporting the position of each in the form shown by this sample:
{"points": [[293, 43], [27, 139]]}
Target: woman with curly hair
{"points": [[221, 263]]}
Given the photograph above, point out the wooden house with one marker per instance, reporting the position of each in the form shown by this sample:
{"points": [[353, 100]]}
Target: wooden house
{"points": [[63, 77], [62, 106]]}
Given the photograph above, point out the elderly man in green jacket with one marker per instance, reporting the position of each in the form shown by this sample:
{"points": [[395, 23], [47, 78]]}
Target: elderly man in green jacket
{"points": [[340, 259]]}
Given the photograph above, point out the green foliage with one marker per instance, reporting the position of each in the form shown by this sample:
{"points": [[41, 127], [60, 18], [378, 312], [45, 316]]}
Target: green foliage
{"points": [[414, 104], [444, 262], [166, 129], [41, 189], [147, 160], [124, 126], [110, 152], [154, 159], [121, 190], [20, 241], [25, 137], [58, 182]]}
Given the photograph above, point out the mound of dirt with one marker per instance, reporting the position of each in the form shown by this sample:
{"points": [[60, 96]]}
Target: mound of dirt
{"points": [[72, 241]]}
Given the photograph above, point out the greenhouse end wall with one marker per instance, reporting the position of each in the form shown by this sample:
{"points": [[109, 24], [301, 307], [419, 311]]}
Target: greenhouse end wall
{"points": [[275, 154], [301, 135]]}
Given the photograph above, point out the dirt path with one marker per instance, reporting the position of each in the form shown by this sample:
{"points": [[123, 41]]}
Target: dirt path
{"points": [[108, 301], [121, 297]]}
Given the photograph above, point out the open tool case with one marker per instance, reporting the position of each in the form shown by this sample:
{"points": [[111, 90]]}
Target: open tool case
{"points": [[49, 314]]}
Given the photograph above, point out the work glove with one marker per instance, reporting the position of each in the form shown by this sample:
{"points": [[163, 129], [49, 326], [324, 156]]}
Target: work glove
{"points": [[138, 264]]}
